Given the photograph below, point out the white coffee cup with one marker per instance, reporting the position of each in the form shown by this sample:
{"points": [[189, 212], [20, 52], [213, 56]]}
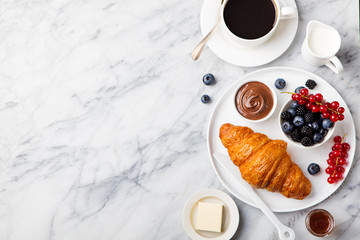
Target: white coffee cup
{"points": [[321, 44], [281, 13]]}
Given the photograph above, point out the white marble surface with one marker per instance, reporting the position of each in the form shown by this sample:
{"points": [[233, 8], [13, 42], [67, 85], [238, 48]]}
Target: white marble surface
{"points": [[103, 135]]}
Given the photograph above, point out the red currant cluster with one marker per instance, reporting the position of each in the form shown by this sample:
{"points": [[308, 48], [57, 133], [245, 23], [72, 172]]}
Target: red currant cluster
{"points": [[314, 103], [337, 159]]}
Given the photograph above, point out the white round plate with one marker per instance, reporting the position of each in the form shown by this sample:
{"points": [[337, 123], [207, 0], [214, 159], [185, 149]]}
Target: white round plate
{"points": [[225, 112], [230, 215], [236, 54]]}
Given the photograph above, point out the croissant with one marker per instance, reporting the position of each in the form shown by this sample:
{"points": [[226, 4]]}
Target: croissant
{"points": [[264, 163]]}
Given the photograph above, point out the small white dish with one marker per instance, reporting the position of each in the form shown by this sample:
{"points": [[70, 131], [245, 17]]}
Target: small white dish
{"points": [[230, 215], [272, 109], [244, 56], [327, 137]]}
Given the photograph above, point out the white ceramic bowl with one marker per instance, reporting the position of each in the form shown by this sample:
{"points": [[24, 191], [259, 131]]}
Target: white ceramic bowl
{"points": [[327, 137], [273, 107]]}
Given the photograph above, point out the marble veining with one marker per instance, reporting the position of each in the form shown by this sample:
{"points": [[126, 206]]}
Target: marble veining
{"points": [[103, 134]]}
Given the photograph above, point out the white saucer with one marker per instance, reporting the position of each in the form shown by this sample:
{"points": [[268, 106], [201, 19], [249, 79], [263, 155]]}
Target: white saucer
{"points": [[230, 216], [236, 54]]}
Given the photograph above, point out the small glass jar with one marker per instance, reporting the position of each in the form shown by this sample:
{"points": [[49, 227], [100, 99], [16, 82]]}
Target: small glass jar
{"points": [[319, 222]]}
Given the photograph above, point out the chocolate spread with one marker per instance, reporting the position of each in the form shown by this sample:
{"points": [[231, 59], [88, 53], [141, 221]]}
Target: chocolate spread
{"points": [[254, 100]]}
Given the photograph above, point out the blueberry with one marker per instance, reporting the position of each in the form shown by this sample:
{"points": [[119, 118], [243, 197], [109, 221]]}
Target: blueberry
{"points": [[323, 132], [298, 121], [313, 168], [294, 104], [280, 83], [297, 90], [208, 79], [286, 127], [205, 98], [318, 138], [315, 126], [292, 112], [327, 123]]}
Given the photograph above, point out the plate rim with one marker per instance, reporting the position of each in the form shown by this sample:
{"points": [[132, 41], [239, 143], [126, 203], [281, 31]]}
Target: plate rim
{"points": [[212, 161]]}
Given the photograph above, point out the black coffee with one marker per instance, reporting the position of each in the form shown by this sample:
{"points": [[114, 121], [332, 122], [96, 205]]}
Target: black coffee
{"points": [[250, 19]]}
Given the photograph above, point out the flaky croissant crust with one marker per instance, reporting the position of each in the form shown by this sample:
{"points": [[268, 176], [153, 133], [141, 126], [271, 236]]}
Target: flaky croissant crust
{"points": [[264, 163]]}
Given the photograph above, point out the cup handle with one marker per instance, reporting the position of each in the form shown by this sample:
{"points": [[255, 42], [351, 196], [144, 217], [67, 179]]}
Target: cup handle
{"points": [[287, 12], [335, 65]]}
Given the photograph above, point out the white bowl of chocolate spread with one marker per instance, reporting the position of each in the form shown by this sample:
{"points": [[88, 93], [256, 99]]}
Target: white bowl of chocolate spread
{"points": [[255, 101]]}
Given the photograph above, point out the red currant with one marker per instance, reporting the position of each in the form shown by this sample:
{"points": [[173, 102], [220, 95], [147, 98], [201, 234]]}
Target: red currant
{"points": [[318, 97], [302, 101], [304, 92], [345, 147], [293, 97], [335, 105], [337, 153], [334, 117], [298, 96], [314, 109], [330, 169], [337, 175], [337, 146], [331, 155], [323, 109], [337, 139], [340, 169], [326, 115], [331, 162], [308, 105], [311, 98], [341, 161], [341, 116], [327, 105], [344, 155], [341, 110], [331, 180]]}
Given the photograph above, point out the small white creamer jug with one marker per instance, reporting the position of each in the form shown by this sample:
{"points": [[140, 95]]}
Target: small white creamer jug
{"points": [[321, 44]]}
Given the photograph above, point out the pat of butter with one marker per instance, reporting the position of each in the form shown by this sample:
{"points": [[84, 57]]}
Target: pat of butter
{"points": [[209, 217]]}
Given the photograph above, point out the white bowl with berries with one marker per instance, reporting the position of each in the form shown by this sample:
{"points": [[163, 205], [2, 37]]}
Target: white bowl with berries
{"points": [[307, 120]]}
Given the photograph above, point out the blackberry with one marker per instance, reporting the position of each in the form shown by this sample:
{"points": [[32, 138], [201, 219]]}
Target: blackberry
{"points": [[306, 130], [296, 135], [309, 117], [301, 110], [286, 116], [306, 141], [311, 84]]}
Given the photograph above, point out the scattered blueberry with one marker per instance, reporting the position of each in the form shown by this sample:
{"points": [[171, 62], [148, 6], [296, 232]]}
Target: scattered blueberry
{"points": [[318, 138], [327, 123], [286, 127], [208, 79], [298, 121], [292, 112], [313, 168], [280, 83], [315, 126], [297, 90], [294, 104], [205, 98]]}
